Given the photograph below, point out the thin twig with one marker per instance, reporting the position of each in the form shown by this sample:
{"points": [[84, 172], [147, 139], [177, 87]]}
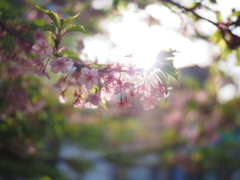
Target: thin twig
{"points": [[190, 10], [3, 25]]}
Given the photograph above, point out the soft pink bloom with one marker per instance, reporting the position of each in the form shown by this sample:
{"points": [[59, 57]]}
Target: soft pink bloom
{"points": [[89, 77], [42, 73], [78, 103], [158, 91], [130, 55], [130, 72], [127, 103], [39, 35], [132, 95], [149, 102], [60, 64], [38, 63], [61, 98], [93, 99], [42, 48], [121, 104], [111, 78], [127, 85], [122, 85], [141, 88], [107, 92]]}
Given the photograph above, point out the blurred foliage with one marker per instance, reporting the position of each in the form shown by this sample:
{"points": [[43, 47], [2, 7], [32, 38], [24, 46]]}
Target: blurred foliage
{"points": [[193, 129]]}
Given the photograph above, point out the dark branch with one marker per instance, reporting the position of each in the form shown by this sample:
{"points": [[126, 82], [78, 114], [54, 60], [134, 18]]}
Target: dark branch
{"points": [[190, 10], [4, 27]]}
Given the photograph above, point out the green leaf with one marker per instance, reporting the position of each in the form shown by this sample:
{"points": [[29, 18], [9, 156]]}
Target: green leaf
{"points": [[49, 27], [104, 106], [219, 17], [166, 54], [70, 54], [66, 21], [98, 66], [73, 27], [216, 37], [168, 67], [164, 79], [39, 22], [52, 15], [236, 13], [238, 56]]}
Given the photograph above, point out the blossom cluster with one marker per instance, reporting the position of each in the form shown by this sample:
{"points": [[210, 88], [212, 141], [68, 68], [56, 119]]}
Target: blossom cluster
{"points": [[94, 86]]}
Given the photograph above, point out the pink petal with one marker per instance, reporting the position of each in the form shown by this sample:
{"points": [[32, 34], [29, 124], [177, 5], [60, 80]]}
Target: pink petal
{"points": [[69, 63], [95, 101], [45, 42], [95, 81], [89, 85], [49, 50], [84, 71], [35, 48], [94, 72], [61, 59], [41, 54], [82, 80], [64, 69], [55, 69], [54, 62]]}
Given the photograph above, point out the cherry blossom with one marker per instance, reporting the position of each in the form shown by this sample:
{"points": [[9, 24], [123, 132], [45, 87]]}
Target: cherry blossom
{"points": [[60, 64], [107, 92], [38, 34], [78, 103], [42, 73], [148, 102], [38, 63], [42, 48], [93, 99], [61, 98], [132, 95], [111, 78], [89, 77]]}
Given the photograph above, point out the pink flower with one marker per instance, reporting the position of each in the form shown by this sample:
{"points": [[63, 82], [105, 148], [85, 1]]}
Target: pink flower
{"points": [[60, 64], [158, 91], [93, 99], [107, 92], [61, 98], [111, 78], [42, 73], [121, 104], [78, 103], [130, 55], [127, 103], [132, 95], [38, 63], [39, 35], [89, 77], [149, 103], [42, 48]]}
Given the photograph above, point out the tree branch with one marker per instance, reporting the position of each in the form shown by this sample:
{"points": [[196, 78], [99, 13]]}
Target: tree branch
{"points": [[190, 10], [3, 26]]}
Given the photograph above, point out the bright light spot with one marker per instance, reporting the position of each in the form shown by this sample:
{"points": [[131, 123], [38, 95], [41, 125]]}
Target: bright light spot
{"points": [[164, 15], [226, 93], [97, 47], [101, 4], [131, 34]]}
